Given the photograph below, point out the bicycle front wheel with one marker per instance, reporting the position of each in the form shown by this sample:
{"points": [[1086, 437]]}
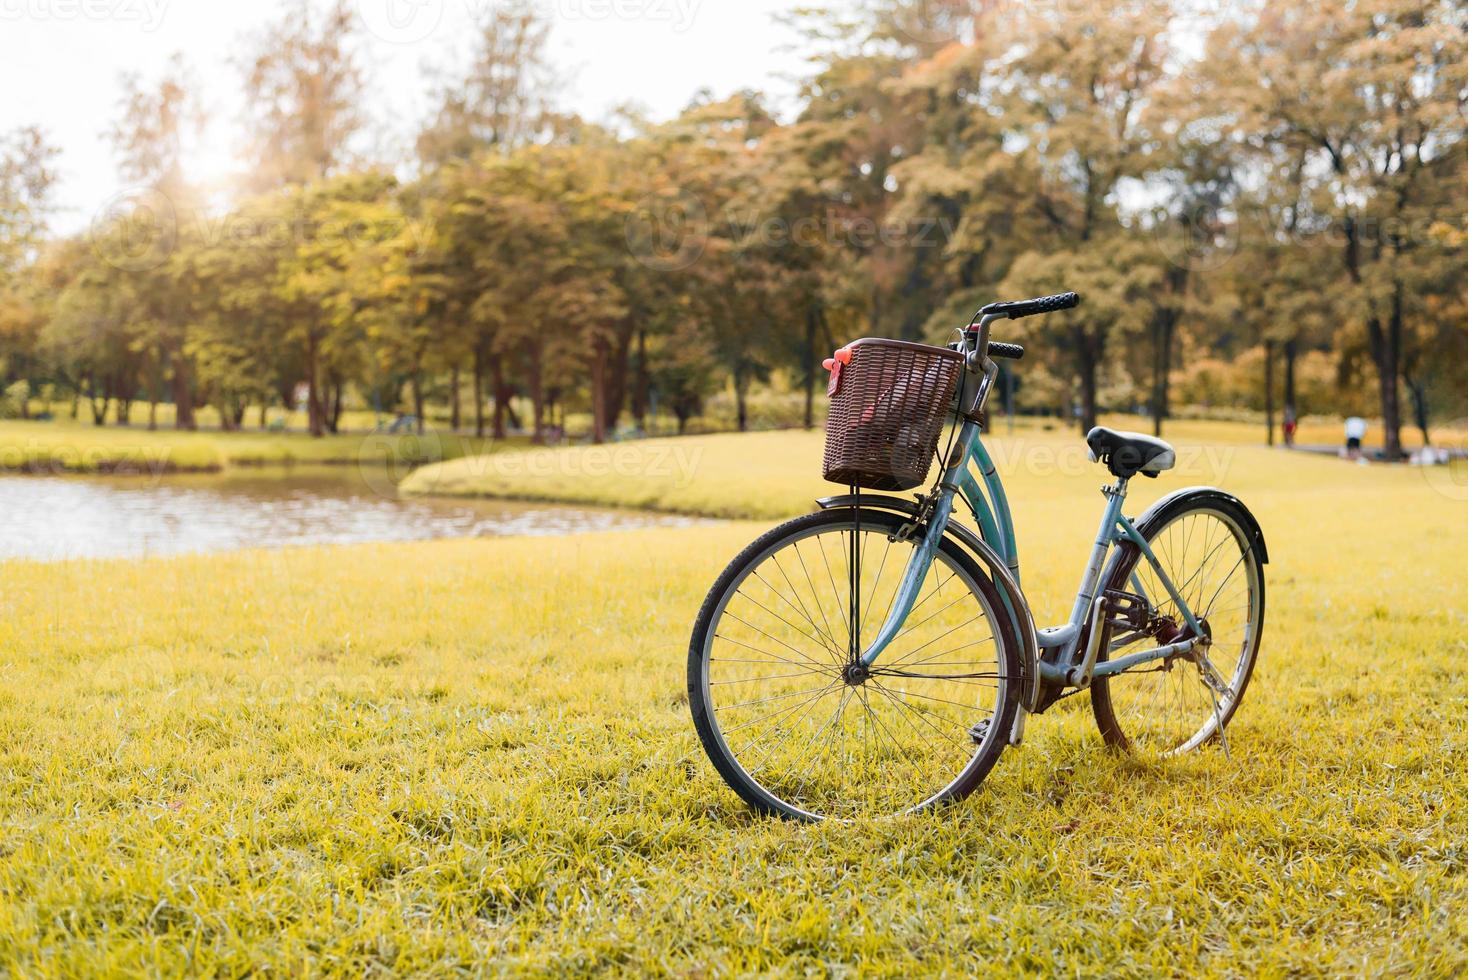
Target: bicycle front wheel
{"points": [[792, 721]]}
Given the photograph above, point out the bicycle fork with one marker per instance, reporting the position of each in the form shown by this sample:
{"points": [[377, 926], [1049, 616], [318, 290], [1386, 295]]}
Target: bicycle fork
{"points": [[921, 562]]}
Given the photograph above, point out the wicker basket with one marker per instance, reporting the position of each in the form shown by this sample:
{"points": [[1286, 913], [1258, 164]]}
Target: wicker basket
{"points": [[889, 400]]}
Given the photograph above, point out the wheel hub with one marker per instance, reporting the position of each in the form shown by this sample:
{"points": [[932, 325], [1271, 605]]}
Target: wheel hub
{"points": [[855, 675]]}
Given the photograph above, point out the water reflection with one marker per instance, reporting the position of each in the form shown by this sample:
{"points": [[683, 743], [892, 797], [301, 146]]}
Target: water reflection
{"points": [[54, 518]]}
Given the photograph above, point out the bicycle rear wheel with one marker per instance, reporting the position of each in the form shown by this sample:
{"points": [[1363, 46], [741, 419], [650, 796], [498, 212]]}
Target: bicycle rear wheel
{"points": [[1175, 705], [787, 715]]}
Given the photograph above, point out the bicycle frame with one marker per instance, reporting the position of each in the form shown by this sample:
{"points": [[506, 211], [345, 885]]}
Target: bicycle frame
{"points": [[985, 496]]}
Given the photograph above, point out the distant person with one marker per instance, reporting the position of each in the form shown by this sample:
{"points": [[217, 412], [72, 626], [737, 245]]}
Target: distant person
{"points": [[1355, 432], [1290, 424]]}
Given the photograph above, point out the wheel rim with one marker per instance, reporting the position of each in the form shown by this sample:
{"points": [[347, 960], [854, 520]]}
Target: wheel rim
{"points": [[812, 732], [1170, 708]]}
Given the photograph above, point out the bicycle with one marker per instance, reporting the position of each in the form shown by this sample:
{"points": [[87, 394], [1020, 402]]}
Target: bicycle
{"points": [[815, 697]]}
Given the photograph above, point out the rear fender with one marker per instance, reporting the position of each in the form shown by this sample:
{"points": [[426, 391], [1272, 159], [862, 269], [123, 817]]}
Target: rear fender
{"points": [[1162, 511]]}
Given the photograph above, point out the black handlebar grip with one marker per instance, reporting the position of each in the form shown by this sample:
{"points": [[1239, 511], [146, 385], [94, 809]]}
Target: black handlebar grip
{"points": [[1006, 352], [1034, 307]]}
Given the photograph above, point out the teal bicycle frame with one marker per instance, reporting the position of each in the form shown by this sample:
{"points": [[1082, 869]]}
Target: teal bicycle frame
{"points": [[985, 496]]}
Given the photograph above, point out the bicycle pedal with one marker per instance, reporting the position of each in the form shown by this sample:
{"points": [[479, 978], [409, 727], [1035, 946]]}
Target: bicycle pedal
{"points": [[979, 732], [1127, 611]]}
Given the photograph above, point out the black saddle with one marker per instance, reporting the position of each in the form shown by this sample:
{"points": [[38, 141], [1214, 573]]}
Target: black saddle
{"points": [[1128, 453]]}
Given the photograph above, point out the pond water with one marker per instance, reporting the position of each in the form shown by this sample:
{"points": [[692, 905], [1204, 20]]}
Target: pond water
{"points": [[56, 518]]}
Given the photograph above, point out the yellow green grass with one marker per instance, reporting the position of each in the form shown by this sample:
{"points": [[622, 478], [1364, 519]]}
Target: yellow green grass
{"points": [[69, 447], [476, 756]]}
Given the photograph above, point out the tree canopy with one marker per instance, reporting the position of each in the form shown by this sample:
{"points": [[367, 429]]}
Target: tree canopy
{"points": [[1272, 192]]}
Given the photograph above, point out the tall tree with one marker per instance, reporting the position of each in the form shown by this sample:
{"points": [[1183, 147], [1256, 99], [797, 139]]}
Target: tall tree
{"points": [[27, 175], [155, 120], [304, 84], [504, 98]]}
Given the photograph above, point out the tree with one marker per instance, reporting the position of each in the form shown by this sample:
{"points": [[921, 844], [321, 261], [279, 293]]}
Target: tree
{"points": [[153, 125], [26, 180], [304, 83], [1370, 93], [505, 98]]}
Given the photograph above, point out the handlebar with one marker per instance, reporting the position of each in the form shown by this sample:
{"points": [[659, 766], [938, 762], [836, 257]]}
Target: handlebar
{"points": [[1032, 307]]}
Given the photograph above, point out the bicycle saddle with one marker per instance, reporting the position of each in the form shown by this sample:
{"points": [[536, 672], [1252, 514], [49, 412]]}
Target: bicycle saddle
{"points": [[1128, 453]]}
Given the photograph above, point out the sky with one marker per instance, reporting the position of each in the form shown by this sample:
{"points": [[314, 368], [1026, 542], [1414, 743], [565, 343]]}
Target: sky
{"points": [[60, 61]]}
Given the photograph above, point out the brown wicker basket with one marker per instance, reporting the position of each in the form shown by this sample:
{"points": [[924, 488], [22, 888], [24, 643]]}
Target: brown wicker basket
{"points": [[889, 400]]}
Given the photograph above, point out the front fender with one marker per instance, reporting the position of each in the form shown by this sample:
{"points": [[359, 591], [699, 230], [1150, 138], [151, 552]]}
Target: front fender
{"points": [[1018, 608]]}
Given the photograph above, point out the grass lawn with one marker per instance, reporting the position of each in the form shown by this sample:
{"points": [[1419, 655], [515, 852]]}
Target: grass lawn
{"points": [[476, 756], [71, 447]]}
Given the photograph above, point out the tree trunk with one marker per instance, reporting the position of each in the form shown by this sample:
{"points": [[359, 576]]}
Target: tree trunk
{"points": [[741, 401], [155, 390], [1269, 388], [1386, 350], [537, 397], [417, 384], [334, 417], [455, 416], [1089, 351], [183, 393], [617, 358], [641, 393], [1421, 410], [99, 412], [264, 415], [497, 380], [808, 357], [599, 408], [1163, 328], [1088, 394], [1291, 399], [479, 391], [315, 413]]}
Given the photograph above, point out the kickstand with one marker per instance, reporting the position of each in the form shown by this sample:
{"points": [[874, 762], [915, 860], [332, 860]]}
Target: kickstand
{"points": [[1210, 677]]}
